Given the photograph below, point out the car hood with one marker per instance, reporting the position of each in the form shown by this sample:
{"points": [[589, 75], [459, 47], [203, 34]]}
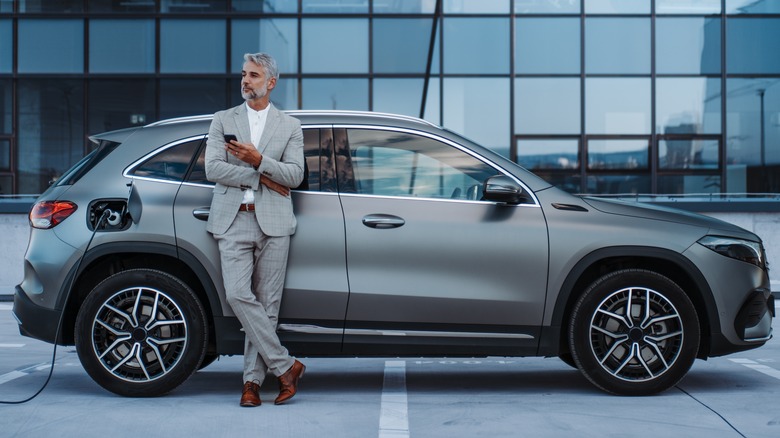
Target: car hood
{"points": [[656, 212]]}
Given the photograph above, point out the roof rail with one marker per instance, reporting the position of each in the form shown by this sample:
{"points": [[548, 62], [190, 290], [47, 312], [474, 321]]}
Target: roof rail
{"points": [[361, 113], [303, 112], [181, 120]]}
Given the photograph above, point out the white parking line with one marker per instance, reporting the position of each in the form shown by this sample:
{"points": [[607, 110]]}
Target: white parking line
{"points": [[4, 306], [13, 375], [394, 414], [11, 345], [769, 371]]}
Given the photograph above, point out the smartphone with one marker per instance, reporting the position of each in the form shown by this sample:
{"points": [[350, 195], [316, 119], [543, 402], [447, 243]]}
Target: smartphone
{"points": [[229, 137]]}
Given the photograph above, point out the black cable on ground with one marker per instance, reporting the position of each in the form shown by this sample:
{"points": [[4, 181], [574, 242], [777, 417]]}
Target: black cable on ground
{"points": [[103, 217]]}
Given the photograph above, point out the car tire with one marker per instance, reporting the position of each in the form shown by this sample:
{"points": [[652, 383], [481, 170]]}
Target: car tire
{"points": [[567, 359], [208, 359], [141, 333], [641, 351]]}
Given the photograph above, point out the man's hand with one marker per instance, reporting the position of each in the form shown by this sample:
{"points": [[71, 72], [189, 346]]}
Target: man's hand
{"points": [[275, 186], [244, 152]]}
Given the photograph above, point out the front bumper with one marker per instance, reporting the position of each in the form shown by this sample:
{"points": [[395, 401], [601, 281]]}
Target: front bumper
{"points": [[35, 321], [754, 320]]}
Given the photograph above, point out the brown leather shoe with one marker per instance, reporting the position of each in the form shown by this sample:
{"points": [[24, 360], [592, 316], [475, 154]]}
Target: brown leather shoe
{"points": [[288, 382], [250, 397]]}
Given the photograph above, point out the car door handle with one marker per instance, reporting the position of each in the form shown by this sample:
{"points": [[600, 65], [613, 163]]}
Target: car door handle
{"points": [[202, 213], [382, 221]]}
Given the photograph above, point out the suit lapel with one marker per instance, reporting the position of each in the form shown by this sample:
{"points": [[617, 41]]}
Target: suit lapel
{"points": [[244, 134], [271, 122]]}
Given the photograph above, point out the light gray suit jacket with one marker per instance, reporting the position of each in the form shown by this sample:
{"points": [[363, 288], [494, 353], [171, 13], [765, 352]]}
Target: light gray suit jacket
{"points": [[282, 148]]}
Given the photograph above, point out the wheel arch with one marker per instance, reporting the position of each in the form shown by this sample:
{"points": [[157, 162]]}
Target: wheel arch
{"points": [[600, 262], [110, 258]]}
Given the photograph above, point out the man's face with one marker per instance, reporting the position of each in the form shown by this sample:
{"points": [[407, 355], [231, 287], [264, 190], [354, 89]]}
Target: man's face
{"points": [[254, 84]]}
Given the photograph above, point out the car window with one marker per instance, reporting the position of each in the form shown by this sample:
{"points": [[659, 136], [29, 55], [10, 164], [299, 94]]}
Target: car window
{"points": [[86, 164], [311, 155], [170, 164], [390, 163]]}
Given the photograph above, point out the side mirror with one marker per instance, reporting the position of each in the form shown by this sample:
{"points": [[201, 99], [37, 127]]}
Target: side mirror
{"points": [[501, 188]]}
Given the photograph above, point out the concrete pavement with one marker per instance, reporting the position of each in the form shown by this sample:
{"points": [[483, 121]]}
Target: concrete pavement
{"points": [[732, 396]]}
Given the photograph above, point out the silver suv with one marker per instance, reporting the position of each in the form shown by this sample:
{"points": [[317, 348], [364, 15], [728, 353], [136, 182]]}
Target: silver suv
{"points": [[411, 241]]}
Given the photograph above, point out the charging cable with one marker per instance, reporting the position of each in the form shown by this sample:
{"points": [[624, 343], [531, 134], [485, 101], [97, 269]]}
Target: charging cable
{"points": [[107, 213]]}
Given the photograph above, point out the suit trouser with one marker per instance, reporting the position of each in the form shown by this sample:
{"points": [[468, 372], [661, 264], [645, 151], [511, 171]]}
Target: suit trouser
{"points": [[253, 269]]}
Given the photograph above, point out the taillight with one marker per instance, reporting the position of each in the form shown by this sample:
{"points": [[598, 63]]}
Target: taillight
{"points": [[47, 214]]}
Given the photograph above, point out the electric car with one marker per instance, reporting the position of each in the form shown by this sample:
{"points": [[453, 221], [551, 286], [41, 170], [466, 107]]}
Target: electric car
{"points": [[412, 241]]}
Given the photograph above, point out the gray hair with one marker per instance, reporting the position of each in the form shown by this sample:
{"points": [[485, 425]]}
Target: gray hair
{"points": [[266, 61]]}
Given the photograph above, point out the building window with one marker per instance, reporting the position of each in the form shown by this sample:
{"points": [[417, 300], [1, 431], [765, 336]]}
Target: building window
{"points": [[334, 45], [6, 109], [617, 106], [688, 153], [6, 46], [64, 6], [266, 6], [335, 94], [752, 47], [472, 7], [703, 7], [753, 121], [467, 100], [547, 45], [186, 97], [547, 106], [121, 46], [192, 6], [621, 154], [547, 7], [687, 45], [51, 131], [398, 95], [123, 6], [5, 155], [617, 45], [752, 7], [192, 46], [405, 7], [401, 52], [110, 110], [617, 7], [688, 106], [51, 46], [476, 45], [549, 154], [335, 6]]}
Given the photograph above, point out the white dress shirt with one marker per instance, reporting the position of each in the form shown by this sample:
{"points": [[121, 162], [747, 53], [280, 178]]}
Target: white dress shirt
{"points": [[256, 126]]}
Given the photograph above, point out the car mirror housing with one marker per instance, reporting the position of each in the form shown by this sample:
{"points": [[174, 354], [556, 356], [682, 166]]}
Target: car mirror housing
{"points": [[501, 188]]}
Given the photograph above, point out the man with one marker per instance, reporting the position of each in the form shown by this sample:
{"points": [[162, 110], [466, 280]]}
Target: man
{"points": [[252, 219]]}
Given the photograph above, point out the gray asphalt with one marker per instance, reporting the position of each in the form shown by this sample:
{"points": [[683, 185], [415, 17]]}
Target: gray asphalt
{"points": [[732, 396]]}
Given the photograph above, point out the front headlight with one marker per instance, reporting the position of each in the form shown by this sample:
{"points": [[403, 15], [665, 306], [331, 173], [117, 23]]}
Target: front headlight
{"points": [[745, 250]]}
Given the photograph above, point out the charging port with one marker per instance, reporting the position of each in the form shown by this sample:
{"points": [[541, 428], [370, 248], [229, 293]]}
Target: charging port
{"points": [[117, 218]]}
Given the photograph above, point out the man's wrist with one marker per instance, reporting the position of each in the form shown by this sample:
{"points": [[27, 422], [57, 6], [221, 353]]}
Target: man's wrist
{"points": [[259, 161]]}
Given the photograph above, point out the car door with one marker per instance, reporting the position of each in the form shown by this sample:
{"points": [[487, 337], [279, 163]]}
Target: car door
{"points": [[433, 269], [315, 298]]}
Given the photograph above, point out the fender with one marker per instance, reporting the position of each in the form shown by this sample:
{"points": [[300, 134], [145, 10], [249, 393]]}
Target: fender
{"points": [[163, 249], [550, 337]]}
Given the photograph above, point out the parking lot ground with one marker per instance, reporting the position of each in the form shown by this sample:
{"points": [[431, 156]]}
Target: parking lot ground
{"points": [[732, 396]]}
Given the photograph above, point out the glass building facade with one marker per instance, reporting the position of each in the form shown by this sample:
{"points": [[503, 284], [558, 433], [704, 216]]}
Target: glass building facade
{"points": [[664, 97]]}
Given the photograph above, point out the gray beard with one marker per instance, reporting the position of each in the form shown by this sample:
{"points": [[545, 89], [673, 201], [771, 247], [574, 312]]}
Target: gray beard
{"points": [[255, 94]]}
